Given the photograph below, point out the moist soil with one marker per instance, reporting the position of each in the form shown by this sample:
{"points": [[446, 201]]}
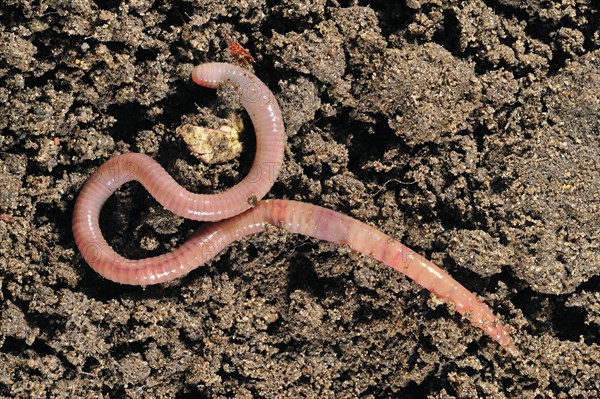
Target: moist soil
{"points": [[467, 130]]}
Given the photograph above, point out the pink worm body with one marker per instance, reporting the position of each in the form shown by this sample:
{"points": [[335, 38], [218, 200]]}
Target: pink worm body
{"points": [[238, 218]]}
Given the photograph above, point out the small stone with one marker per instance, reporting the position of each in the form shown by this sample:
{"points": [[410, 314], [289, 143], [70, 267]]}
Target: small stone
{"points": [[213, 146]]}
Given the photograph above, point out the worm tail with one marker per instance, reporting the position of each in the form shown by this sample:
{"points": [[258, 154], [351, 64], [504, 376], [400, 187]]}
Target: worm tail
{"points": [[328, 225]]}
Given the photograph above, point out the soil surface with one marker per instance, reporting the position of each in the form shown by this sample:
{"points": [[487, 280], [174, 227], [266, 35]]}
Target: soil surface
{"points": [[469, 130]]}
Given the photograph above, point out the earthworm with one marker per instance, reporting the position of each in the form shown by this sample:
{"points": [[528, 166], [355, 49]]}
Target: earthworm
{"points": [[241, 213]]}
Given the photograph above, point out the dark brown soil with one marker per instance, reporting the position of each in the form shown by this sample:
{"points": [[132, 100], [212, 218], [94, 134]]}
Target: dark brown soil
{"points": [[467, 129]]}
